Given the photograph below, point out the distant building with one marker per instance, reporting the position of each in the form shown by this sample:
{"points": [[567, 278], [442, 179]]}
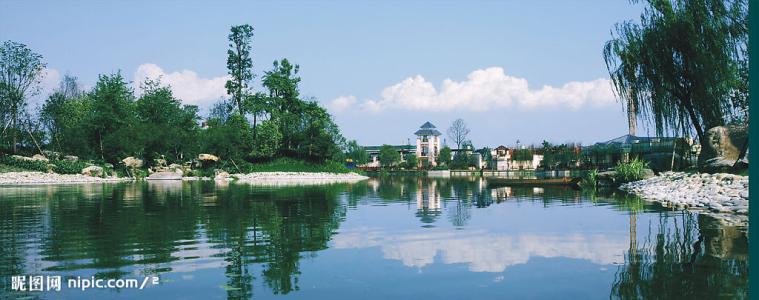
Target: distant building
{"points": [[427, 148], [662, 153], [502, 157], [373, 152]]}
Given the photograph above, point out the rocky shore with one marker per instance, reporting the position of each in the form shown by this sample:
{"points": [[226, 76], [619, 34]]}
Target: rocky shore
{"points": [[719, 193], [13, 178]]}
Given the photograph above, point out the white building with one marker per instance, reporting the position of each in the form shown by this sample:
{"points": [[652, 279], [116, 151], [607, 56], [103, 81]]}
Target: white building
{"points": [[427, 144]]}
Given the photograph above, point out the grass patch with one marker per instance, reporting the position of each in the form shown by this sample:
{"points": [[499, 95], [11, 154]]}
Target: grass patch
{"points": [[7, 168], [630, 171]]}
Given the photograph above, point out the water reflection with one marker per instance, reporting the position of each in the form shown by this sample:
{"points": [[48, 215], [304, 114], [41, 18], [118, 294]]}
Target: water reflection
{"points": [[250, 241]]}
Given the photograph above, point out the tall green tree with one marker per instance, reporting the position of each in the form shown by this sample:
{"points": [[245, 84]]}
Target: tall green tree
{"points": [[681, 65], [21, 70], [112, 120], [239, 64], [445, 156], [167, 128]]}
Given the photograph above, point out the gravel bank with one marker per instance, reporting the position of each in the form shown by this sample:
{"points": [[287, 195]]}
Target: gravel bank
{"points": [[295, 178], [12, 178], [719, 193]]}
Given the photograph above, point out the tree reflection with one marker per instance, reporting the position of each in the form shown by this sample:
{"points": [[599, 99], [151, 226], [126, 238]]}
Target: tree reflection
{"points": [[688, 256]]}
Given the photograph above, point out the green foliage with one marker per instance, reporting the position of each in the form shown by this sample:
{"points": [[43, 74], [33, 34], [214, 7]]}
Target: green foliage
{"points": [[239, 64], [356, 153], [112, 121], [20, 74], [589, 180], [107, 124], [31, 165], [461, 160], [268, 142], [683, 67], [631, 171], [388, 156], [293, 165], [227, 140], [445, 156], [560, 156], [58, 166], [167, 129], [522, 154], [411, 161]]}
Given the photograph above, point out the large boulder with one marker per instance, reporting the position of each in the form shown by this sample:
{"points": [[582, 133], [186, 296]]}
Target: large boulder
{"points": [[722, 148], [221, 175], [207, 157], [132, 162], [93, 171], [71, 158], [39, 157]]}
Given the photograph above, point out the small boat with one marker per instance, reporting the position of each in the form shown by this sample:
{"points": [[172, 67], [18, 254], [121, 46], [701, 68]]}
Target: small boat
{"points": [[566, 181]]}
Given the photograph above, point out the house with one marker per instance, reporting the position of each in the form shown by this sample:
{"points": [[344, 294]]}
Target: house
{"points": [[502, 157], [427, 144]]}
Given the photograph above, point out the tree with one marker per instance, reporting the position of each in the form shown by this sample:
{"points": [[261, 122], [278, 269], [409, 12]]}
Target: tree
{"points": [[59, 115], [112, 120], [411, 160], [285, 107], [239, 64], [388, 156], [21, 70], [356, 153], [227, 140], [487, 156], [461, 160], [681, 66], [458, 132], [445, 155], [269, 141], [166, 127]]}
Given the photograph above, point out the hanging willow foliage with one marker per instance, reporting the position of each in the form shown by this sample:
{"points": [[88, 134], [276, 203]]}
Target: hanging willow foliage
{"points": [[681, 66]]}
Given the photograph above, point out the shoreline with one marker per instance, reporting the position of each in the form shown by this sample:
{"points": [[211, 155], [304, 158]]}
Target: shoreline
{"points": [[722, 195], [33, 177], [265, 178]]}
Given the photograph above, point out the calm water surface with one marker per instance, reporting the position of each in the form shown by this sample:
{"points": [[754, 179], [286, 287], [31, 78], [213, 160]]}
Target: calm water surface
{"points": [[395, 238]]}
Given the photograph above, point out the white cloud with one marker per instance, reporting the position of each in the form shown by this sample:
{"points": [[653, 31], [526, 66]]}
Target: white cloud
{"points": [[482, 90], [186, 84], [482, 251], [342, 103], [48, 84]]}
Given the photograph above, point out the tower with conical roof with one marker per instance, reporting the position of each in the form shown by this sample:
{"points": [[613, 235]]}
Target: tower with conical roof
{"points": [[427, 144]]}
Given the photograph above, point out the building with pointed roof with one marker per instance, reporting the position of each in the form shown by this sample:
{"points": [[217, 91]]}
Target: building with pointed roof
{"points": [[427, 144]]}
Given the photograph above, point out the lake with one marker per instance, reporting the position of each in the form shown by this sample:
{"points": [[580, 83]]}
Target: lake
{"points": [[388, 238]]}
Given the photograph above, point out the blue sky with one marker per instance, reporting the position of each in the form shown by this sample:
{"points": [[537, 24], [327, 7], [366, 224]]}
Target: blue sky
{"points": [[391, 65]]}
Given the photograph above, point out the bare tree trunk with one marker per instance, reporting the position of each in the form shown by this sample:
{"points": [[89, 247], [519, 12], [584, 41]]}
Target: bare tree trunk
{"points": [[100, 138]]}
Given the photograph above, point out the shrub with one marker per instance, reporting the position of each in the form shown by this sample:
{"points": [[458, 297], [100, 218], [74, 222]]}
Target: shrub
{"points": [[630, 171], [590, 179]]}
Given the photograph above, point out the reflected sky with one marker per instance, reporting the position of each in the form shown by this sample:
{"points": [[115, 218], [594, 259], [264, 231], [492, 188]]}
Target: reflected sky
{"points": [[400, 237]]}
